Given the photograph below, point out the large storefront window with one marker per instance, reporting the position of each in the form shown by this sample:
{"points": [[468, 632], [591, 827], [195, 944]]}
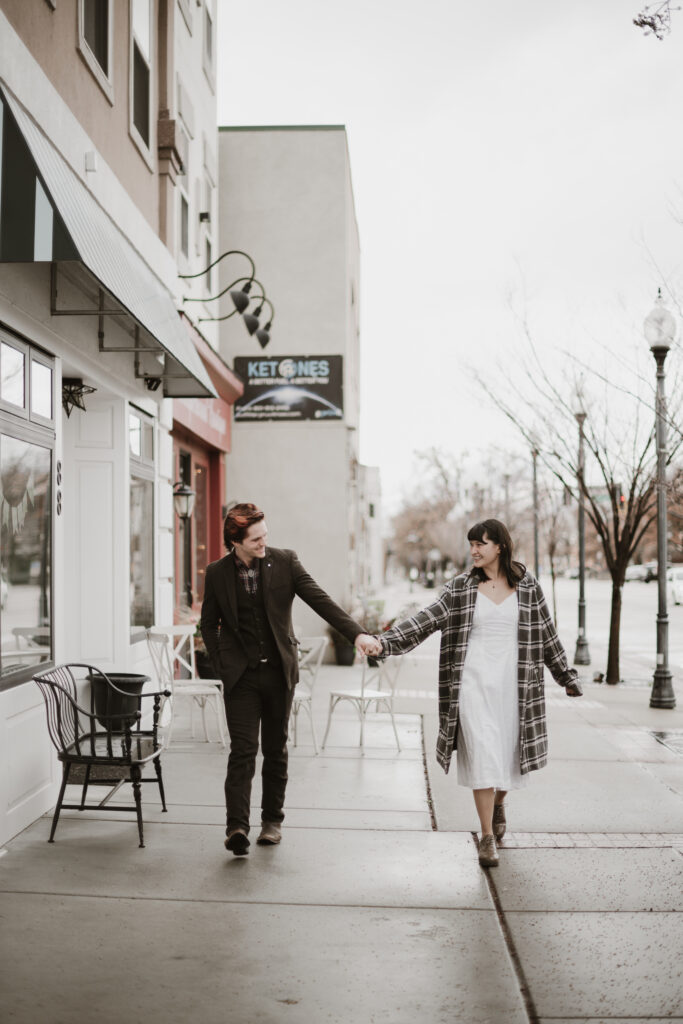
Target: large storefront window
{"points": [[25, 511], [141, 434]]}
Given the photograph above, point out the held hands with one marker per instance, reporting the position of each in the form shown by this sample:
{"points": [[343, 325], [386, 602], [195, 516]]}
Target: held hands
{"points": [[368, 645]]}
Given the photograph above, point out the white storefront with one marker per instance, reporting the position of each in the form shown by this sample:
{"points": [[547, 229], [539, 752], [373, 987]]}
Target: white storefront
{"points": [[86, 504]]}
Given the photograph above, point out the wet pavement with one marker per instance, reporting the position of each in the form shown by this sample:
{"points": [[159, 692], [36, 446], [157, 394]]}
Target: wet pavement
{"points": [[373, 908]]}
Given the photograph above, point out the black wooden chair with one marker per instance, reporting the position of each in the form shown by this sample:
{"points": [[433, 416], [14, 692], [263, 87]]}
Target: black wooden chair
{"points": [[108, 755]]}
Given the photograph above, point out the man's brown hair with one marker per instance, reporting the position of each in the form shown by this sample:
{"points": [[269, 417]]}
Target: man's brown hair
{"points": [[237, 522]]}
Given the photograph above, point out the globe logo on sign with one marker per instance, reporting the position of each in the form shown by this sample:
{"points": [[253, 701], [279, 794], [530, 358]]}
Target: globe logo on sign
{"points": [[287, 368]]}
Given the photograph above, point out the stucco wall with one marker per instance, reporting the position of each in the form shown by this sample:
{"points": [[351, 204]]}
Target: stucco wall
{"points": [[285, 199], [52, 38]]}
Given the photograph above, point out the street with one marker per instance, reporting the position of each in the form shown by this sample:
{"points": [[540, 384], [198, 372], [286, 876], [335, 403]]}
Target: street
{"points": [[638, 623]]}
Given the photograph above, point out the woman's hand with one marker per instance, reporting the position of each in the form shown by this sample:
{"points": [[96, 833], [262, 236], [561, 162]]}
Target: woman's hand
{"points": [[368, 645]]}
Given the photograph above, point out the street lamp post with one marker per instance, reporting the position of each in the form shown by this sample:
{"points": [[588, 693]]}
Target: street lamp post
{"points": [[660, 331], [534, 456], [582, 654], [183, 502]]}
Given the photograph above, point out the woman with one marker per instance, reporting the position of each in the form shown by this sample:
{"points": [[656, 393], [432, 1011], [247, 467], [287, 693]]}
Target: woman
{"points": [[491, 686]]}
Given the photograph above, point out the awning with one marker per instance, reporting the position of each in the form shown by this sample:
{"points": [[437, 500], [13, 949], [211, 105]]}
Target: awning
{"points": [[48, 215]]}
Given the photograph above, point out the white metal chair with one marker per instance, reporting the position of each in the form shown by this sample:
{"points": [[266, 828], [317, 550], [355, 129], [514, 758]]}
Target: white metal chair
{"points": [[166, 647], [311, 653], [371, 692]]}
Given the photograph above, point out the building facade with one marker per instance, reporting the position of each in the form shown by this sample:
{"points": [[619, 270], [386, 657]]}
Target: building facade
{"points": [[107, 195], [286, 197]]}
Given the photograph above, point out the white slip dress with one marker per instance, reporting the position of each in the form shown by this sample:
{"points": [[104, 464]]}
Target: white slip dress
{"points": [[488, 718]]}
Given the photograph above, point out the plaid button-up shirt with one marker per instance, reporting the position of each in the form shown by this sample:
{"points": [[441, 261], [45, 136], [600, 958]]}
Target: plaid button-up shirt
{"points": [[537, 644], [249, 576]]}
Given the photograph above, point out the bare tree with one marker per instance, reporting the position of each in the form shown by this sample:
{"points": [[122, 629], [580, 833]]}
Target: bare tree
{"points": [[620, 447], [655, 19]]}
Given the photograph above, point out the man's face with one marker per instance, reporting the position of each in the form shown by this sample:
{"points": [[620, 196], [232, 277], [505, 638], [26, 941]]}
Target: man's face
{"points": [[253, 545]]}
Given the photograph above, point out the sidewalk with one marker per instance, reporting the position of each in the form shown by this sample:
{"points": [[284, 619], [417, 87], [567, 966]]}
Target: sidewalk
{"points": [[365, 913]]}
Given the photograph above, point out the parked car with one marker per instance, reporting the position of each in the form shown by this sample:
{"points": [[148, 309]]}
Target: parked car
{"points": [[635, 572], [674, 585], [4, 592], [650, 571]]}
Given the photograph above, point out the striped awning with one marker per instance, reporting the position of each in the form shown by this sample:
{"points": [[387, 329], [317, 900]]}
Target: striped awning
{"points": [[47, 214]]}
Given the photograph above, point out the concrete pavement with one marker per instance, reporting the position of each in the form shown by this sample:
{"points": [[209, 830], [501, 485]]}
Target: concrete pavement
{"points": [[367, 912]]}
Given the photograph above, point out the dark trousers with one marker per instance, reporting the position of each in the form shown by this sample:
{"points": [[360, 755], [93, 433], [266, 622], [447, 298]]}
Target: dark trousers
{"points": [[259, 699]]}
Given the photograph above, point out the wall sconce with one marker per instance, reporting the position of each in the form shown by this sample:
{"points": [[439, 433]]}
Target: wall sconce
{"points": [[183, 500], [73, 393], [240, 297]]}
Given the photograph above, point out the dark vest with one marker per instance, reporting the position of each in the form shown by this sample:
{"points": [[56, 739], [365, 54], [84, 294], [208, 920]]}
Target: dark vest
{"points": [[255, 631]]}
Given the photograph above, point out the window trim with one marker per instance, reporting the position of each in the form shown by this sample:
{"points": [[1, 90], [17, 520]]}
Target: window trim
{"points": [[186, 12], [35, 417], [22, 412], [183, 197], [32, 354], [209, 61], [105, 81], [42, 436], [146, 149], [141, 467]]}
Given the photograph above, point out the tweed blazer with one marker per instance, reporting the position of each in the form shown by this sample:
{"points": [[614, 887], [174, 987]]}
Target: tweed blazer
{"points": [[283, 578], [538, 644]]}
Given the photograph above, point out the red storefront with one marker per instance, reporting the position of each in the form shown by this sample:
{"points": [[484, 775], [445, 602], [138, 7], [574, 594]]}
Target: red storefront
{"points": [[201, 438]]}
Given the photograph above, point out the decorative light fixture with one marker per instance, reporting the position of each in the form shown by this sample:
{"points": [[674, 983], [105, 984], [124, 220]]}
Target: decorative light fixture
{"points": [[183, 500], [73, 393], [240, 296], [262, 333]]}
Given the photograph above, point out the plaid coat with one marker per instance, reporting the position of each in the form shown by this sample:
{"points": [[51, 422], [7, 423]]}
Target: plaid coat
{"points": [[538, 643]]}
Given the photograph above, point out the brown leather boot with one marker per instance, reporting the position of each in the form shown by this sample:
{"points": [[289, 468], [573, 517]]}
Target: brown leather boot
{"points": [[488, 855]]}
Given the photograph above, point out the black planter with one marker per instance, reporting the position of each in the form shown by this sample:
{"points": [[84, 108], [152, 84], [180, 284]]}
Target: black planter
{"points": [[344, 653], [108, 702]]}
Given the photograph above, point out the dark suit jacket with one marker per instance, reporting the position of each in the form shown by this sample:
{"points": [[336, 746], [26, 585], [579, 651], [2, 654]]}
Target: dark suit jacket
{"points": [[282, 578]]}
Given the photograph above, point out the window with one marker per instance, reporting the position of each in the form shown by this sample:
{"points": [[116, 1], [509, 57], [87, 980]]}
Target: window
{"points": [[184, 226], [95, 33], [96, 30], [141, 60], [208, 59], [209, 260], [141, 444], [26, 460]]}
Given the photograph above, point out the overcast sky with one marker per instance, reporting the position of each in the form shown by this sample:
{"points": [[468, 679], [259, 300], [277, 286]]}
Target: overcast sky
{"points": [[522, 149]]}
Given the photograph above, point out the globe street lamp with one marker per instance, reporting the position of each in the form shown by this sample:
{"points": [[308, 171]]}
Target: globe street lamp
{"points": [[582, 654], [660, 330], [534, 456]]}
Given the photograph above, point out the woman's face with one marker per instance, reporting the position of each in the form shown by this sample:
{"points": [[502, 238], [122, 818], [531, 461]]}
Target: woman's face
{"points": [[484, 552]]}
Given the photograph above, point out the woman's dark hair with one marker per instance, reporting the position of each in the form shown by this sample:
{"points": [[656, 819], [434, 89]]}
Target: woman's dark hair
{"points": [[238, 521], [494, 530]]}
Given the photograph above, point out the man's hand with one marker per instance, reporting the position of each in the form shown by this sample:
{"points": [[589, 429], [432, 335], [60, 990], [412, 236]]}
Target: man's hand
{"points": [[574, 689], [368, 645]]}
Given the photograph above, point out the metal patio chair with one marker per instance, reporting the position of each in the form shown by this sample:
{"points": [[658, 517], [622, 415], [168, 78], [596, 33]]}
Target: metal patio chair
{"points": [[372, 691], [311, 653], [99, 749], [166, 647]]}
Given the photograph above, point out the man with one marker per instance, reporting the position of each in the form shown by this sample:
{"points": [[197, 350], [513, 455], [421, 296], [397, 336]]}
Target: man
{"points": [[247, 628]]}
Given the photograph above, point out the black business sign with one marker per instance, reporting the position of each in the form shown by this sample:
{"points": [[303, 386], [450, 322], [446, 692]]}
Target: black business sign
{"points": [[290, 388]]}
